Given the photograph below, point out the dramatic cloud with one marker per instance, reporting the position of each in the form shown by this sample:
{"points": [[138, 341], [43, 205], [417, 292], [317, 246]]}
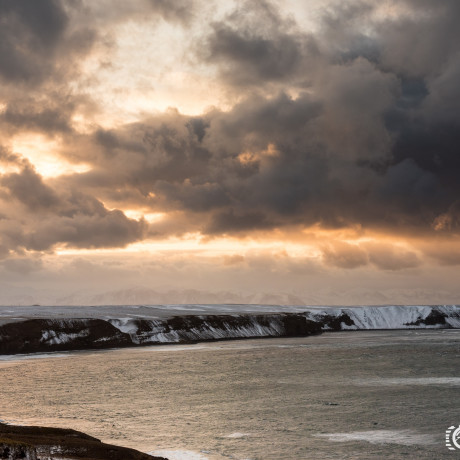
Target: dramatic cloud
{"points": [[174, 10], [37, 216], [255, 45], [330, 125], [345, 255], [37, 39], [380, 255]]}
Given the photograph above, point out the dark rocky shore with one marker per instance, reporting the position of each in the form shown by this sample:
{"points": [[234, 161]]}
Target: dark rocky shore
{"points": [[39, 443]]}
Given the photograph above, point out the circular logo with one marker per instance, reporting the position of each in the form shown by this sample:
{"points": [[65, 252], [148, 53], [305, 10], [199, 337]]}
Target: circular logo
{"points": [[453, 438]]}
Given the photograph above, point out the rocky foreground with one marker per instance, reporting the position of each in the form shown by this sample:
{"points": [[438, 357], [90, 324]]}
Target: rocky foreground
{"points": [[39, 443], [115, 327]]}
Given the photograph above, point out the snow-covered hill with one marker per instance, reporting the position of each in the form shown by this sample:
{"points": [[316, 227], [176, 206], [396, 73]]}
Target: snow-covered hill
{"points": [[39, 329]]}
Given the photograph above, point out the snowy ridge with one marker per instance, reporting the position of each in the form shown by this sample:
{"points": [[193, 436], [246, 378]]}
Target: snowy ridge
{"points": [[195, 328], [215, 327], [133, 328], [392, 317]]}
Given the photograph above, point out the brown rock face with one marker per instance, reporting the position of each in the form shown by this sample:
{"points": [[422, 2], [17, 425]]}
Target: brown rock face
{"points": [[34, 443]]}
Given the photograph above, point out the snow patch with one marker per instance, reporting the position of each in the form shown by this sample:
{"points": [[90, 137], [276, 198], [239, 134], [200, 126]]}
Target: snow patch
{"points": [[58, 338]]}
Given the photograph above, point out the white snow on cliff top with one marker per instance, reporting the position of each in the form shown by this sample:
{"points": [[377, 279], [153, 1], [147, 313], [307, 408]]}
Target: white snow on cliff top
{"points": [[364, 317]]}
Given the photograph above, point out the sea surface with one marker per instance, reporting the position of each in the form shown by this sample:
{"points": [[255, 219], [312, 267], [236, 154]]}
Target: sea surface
{"points": [[344, 395]]}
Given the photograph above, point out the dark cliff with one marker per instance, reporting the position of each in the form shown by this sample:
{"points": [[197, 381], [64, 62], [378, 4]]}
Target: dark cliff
{"points": [[40, 443], [25, 335], [45, 335]]}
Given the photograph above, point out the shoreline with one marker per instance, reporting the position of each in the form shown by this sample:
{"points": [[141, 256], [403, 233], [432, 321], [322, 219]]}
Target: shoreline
{"points": [[127, 328]]}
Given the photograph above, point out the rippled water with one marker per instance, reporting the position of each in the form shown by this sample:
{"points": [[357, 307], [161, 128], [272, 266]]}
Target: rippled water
{"points": [[347, 395]]}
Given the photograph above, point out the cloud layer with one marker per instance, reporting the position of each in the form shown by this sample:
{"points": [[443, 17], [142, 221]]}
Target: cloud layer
{"points": [[350, 124]]}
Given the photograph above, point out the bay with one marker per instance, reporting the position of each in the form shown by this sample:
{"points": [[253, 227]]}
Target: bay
{"points": [[344, 395]]}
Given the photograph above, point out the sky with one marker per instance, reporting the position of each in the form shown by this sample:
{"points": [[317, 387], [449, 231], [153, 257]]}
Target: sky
{"points": [[288, 151]]}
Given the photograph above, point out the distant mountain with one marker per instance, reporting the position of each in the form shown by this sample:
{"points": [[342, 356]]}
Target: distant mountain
{"points": [[141, 295]]}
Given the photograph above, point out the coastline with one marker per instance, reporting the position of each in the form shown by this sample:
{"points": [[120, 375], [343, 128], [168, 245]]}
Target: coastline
{"points": [[55, 329]]}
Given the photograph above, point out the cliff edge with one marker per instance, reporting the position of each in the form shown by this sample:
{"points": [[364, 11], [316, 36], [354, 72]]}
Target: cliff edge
{"points": [[40, 443]]}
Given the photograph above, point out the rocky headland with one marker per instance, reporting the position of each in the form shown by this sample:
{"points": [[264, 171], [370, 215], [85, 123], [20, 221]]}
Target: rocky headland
{"points": [[40, 443], [27, 331]]}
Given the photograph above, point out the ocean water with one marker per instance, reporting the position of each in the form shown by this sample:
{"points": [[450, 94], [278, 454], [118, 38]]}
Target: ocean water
{"points": [[346, 395]]}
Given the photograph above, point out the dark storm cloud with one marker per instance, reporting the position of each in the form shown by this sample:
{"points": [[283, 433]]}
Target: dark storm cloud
{"points": [[160, 155], [380, 255], [229, 222], [35, 40], [8, 157], [109, 229], [174, 10], [381, 145], [231, 161], [388, 257], [106, 14], [42, 46], [422, 42], [254, 45], [29, 188], [41, 49], [29, 35], [449, 222], [40, 114], [196, 197], [326, 158], [38, 216], [356, 124], [344, 255]]}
